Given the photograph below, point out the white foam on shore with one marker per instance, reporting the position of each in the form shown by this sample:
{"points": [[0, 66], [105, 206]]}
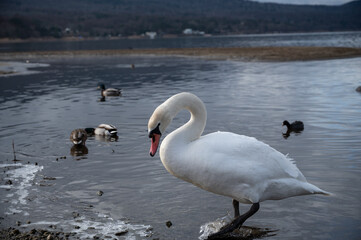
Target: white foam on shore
{"points": [[22, 177], [214, 226], [101, 226], [19, 68], [107, 226]]}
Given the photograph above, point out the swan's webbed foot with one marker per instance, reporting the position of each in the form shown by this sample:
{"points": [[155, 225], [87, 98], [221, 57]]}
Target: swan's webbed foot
{"points": [[236, 223]]}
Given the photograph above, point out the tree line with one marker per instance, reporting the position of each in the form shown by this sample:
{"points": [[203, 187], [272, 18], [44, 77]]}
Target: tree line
{"points": [[103, 18]]}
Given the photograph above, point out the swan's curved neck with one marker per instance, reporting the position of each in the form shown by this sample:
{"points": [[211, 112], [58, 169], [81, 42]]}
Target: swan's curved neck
{"points": [[193, 129]]}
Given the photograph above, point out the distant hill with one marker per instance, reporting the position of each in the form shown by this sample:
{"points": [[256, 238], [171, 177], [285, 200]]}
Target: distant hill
{"points": [[102, 18]]}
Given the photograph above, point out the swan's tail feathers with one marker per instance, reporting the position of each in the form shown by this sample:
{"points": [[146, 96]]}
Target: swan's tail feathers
{"points": [[324, 193], [315, 190]]}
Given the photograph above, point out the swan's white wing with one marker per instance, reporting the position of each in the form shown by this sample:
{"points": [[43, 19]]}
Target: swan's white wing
{"points": [[237, 166], [247, 152]]}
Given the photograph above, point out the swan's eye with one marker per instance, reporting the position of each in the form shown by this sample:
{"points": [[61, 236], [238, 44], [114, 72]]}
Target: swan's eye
{"points": [[155, 131]]}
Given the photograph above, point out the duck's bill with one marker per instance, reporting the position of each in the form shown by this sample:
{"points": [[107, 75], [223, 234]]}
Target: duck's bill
{"points": [[154, 144]]}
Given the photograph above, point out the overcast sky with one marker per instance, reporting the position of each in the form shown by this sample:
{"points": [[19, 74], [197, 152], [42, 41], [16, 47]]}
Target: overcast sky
{"points": [[312, 2]]}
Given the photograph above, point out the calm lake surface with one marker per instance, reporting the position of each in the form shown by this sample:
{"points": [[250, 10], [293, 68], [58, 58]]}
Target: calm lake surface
{"points": [[54, 186], [335, 39]]}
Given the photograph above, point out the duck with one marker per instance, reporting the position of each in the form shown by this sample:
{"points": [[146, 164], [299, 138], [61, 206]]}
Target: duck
{"points": [[240, 167], [106, 92], [102, 130], [358, 89], [78, 137], [296, 126]]}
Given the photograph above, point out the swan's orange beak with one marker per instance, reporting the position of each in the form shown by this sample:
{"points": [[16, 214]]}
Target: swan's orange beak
{"points": [[155, 142]]}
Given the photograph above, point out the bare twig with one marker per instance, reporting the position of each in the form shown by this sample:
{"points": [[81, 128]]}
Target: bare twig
{"points": [[14, 153]]}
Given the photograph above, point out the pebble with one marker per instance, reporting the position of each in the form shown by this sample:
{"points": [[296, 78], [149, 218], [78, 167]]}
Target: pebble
{"points": [[16, 232], [168, 224], [75, 214], [121, 233]]}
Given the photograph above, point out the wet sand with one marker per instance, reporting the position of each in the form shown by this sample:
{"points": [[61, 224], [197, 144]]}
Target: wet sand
{"points": [[234, 53]]}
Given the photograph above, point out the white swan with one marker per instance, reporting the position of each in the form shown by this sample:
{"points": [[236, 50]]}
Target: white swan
{"points": [[243, 168]]}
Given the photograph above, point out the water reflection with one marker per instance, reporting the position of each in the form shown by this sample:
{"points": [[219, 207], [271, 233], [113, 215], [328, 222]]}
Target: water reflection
{"points": [[245, 232], [248, 233], [109, 138], [288, 133], [78, 150]]}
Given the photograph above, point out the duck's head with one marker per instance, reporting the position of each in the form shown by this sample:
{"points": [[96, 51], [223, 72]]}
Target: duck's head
{"points": [[285, 123], [78, 137], [89, 131], [101, 86], [157, 125]]}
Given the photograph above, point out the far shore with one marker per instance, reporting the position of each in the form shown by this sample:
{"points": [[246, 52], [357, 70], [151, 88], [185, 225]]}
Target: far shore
{"points": [[228, 53]]}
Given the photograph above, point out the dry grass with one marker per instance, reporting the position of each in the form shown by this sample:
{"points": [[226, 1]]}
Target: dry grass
{"points": [[251, 53]]}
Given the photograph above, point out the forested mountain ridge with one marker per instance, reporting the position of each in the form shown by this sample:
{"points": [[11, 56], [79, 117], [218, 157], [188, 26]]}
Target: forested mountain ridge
{"points": [[94, 18]]}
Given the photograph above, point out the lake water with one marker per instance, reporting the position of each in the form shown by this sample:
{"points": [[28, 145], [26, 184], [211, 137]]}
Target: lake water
{"points": [[54, 186]]}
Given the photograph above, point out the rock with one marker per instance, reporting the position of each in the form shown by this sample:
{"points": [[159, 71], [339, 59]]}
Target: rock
{"points": [[49, 178], [96, 237], [168, 224], [9, 182], [76, 227], [15, 232], [121, 233]]}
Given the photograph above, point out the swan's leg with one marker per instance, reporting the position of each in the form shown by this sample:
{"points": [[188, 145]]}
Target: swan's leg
{"points": [[236, 223], [236, 208]]}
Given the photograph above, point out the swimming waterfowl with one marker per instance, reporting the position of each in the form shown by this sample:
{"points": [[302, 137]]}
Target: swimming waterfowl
{"points": [[106, 92], [78, 136], [296, 126], [240, 167], [102, 130]]}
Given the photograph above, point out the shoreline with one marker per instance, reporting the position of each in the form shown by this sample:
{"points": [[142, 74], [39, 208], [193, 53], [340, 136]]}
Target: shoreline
{"points": [[227, 53]]}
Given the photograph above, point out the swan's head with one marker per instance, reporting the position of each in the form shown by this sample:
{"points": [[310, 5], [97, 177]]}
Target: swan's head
{"points": [[157, 124]]}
